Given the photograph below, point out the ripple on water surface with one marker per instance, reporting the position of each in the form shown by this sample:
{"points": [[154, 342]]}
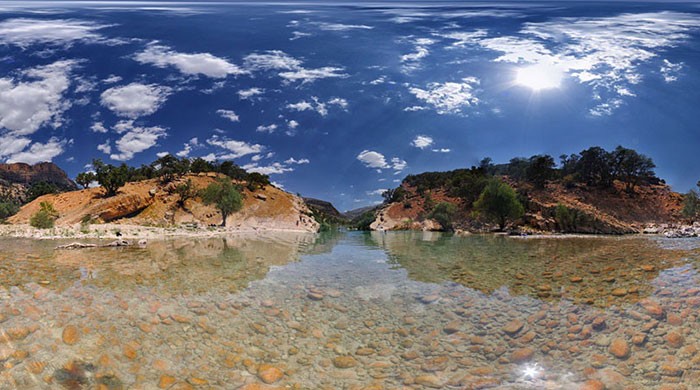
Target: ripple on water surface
{"points": [[352, 311]]}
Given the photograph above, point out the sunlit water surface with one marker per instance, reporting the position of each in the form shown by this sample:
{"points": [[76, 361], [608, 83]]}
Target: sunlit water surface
{"points": [[352, 311]]}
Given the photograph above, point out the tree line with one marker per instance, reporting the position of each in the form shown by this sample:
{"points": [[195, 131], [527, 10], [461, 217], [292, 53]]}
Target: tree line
{"points": [[484, 191]]}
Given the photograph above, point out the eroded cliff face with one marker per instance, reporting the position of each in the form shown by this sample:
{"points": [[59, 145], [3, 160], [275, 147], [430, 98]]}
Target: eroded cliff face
{"points": [[16, 178], [152, 203]]}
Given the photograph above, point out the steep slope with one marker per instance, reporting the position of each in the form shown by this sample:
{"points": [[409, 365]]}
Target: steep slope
{"points": [[151, 203], [609, 211]]}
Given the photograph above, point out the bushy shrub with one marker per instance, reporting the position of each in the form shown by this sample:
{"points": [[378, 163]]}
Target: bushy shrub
{"points": [[225, 196], [567, 218], [444, 214], [8, 209], [45, 217], [499, 203]]}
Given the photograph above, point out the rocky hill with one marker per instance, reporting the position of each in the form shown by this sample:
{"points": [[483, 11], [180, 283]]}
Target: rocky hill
{"points": [[151, 203], [607, 211], [16, 178]]}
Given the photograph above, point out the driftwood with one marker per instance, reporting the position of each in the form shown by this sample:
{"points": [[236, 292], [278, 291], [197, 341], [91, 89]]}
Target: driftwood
{"points": [[116, 243]]}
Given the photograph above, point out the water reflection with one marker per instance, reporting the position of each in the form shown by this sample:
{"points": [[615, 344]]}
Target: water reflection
{"points": [[349, 311], [595, 270], [183, 265]]}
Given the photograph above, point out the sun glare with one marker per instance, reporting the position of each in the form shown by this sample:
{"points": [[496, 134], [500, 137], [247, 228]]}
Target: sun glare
{"points": [[538, 77]]}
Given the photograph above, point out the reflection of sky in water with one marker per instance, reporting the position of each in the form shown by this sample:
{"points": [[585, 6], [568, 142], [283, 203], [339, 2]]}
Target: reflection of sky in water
{"points": [[372, 296]]}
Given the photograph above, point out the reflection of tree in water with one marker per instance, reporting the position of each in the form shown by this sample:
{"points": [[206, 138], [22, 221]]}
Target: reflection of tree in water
{"points": [[182, 265], [595, 270]]}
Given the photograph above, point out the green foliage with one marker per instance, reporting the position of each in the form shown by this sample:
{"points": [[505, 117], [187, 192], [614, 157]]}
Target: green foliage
{"points": [[499, 203], [539, 169], [41, 188], [225, 196], [110, 177], [45, 217], [185, 191], [257, 181], [567, 218], [631, 167], [201, 165], [444, 214], [85, 178], [363, 221], [691, 205], [8, 208], [168, 167], [394, 195]]}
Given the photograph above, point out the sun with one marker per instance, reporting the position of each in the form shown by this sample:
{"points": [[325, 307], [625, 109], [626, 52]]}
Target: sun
{"points": [[539, 76]]}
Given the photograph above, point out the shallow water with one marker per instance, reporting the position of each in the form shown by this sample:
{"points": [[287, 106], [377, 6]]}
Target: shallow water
{"points": [[352, 311]]}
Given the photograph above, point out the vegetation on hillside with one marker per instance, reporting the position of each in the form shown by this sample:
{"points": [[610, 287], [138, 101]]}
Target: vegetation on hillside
{"points": [[485, 190], [691, 205], [45, 217], [225, 196], [166, 169]]}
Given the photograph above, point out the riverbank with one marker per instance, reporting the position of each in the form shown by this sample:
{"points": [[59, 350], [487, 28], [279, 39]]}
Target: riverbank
{"points": [[134, 232]]}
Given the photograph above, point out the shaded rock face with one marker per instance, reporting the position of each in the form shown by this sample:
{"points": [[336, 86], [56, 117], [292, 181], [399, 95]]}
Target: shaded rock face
{"points": [[322, 206], [21, 173]]}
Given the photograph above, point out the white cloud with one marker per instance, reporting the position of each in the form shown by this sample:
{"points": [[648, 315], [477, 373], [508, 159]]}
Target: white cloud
{"points": [[274, 168], [135, 100], [187, 147], [39, 152], [105, 147], [235, 149], [228, 114], [98, 127], [421, 50], [136, 139], [318, 106], [605, 53], [292, 160], [10, 144], [377, 192], [26, 106], [25, 32], [442, 150], [112, 79], [422, 141], [266, 129], [449, 97], [342, 27], [311, 75], [249, 93], [191, 64], [463, 38], [670, 70], [271, 60], [292, 124], [372, 159], [398, 164], [290, 68], [298, 35]]}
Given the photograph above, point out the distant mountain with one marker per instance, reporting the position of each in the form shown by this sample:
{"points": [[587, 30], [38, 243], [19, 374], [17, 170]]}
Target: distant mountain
{"points": [[352, 214], [17, 178], [323, 207]]}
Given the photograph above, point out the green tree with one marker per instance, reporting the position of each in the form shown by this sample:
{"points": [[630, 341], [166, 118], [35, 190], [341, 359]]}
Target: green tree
{"points": [[540, 168], [594, 167], [201, 165], [85, 178], [257, 181], [444, 214], [45, 217], [691, 205], [631, 167], [185, 191], [499, 203], [169, 167], [225, 196], [8, 208], [41, 188], [567, 218], [110, 177]]}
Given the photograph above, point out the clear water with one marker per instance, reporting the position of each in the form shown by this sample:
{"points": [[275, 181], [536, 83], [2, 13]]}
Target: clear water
{"points": [[352, 311]]}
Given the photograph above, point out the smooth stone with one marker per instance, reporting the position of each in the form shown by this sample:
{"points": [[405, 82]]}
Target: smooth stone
{"points": [[619, 348], [513, 327], [269, 374], [71, 334], [344, 362], [522, 354], [431, 381]]}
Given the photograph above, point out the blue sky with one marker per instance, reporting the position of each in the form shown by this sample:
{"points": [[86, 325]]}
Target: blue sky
{"points": [[340, 101]]}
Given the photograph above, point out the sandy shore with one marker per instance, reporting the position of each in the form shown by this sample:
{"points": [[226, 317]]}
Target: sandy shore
{"points": [[132, 232]]}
